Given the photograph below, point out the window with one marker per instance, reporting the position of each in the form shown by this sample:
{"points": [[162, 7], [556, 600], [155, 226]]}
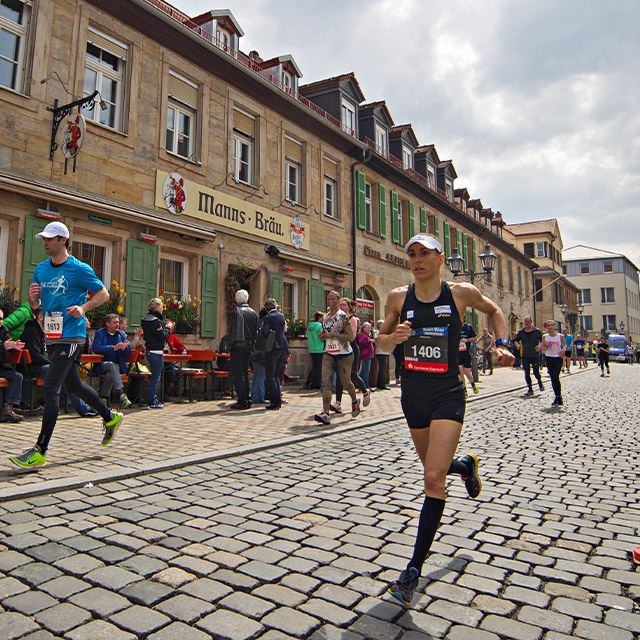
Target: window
{"points": [[407, 157], [244, 129], [607, 267], [105, 66], [541, 249], [181, 116], [172, 278], [287, 81], [586, 323], [609, 323], [584, 296], [224, 39], [368, 209], [348, 117], [14, 23], [401, 222], [510, 275], [431, 177], [607, 295], [330, 187], [381, 140], [448, 191], [98, 257], [4, 244], [584, 267], [537, 285], [290, 299], [293, 169]]}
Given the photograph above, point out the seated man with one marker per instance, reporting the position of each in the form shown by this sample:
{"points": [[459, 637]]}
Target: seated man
{"points": [[112, 343], [12, 397]]}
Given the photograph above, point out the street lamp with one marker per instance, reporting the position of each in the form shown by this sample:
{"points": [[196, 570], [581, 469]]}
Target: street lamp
{"points": [[621, 326], [580, 322], [487, 260]]}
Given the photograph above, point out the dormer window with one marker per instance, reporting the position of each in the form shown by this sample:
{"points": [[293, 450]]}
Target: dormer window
{"points": [[407, 157], [348, 118], [448, 190], [431, 177], [287, 81], [382, 141], [224, 38]]}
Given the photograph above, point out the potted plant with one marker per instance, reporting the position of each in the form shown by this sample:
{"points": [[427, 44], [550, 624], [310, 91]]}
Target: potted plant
{"points": [[297, 327], [115, 304], [8, 299], [184, 311]]}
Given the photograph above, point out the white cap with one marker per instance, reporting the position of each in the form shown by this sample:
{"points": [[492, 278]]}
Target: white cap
{"points": [[54, 229], [426, 241]]}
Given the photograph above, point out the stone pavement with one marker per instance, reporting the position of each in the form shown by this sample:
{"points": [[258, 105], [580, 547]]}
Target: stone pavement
{"points": [[182, 434], [301, 540]]}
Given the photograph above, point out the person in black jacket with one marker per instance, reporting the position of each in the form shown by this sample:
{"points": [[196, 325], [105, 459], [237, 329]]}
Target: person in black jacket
{"points": [[156, 334], [242, 332], [274, 359], [528, 339]]}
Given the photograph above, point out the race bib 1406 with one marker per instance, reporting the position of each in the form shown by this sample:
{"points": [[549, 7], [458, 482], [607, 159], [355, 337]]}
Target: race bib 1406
{"points": [[427, 350]]}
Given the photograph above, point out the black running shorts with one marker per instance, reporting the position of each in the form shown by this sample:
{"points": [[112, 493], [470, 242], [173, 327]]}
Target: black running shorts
{"points": [[422, 404], [464, 359]]}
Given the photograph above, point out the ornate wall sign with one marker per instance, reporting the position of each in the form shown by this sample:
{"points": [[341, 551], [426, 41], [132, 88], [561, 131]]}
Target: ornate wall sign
{"points": [[73, 135], [174, 193]]}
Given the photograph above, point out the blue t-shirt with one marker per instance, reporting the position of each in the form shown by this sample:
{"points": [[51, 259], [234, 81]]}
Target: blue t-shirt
{"points": [[63, 286], [568, 340]]}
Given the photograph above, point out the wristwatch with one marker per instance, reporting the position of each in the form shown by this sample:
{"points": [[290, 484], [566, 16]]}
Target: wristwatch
{"points": [[500, 342]]}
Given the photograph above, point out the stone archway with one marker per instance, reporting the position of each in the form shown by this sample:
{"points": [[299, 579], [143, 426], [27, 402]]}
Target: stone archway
{"points": [[368, 304]]}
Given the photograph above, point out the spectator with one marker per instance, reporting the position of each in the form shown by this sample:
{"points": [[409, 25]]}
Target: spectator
{"points": [[173, 346], [366, 352], [111, 343], [276, 322], [155, 337], [315, 345], [12, 398], [257, 362], [242, 332], [383, 362], [486, 344]]}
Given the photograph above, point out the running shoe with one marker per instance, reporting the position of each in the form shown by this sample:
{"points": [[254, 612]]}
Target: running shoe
{"points": [[111, 427], [476, 390], [29, 458], [125, 403], [602, 375], [403, 588], [529, 392], [472, 481], [323, 417], [608, 372], [155, 405], [541, 386], [335, 407], [560, 401], [366, 398], [555, 402], [355, 409]]}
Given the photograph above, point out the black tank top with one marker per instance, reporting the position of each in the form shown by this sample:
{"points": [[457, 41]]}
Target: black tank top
{"points": [[431, 353]]}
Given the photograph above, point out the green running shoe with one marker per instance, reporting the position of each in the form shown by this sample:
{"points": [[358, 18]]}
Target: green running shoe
{"points": [[476, 390], [111, 427], [30, 458]]}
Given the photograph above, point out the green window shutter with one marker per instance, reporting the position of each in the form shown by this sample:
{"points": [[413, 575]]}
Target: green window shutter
{"points": [[316, 298], [275, 286], [447, 241], [458, 241], [475, 322], [361, 214], [34, 252], [395, 218], [424, 227], [473, 255], [209, 298], [382, 207], [436, 227], [412, 225], [142, 279], [467, 316], [464, 249], [346, 292]]}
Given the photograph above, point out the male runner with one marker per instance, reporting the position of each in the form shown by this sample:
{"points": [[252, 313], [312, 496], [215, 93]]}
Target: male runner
{"points": [[467, 338], [580, 345], [424, 319], [529, 339], [568, 338], [62, 283]]}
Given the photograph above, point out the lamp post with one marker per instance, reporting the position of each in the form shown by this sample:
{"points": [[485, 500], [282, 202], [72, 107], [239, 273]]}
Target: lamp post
{"points": [[580, 321], [456, 265], [621, 327]]}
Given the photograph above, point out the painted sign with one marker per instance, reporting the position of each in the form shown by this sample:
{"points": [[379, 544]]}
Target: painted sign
{"points": [[73, 135], [190, 199]]}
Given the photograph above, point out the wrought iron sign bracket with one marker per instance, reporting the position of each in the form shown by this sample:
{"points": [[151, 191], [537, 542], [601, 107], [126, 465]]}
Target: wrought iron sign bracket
{"points": [[59, 113]]}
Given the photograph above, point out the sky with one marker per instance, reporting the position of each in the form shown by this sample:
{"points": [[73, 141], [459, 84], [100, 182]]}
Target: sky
{"points": [[536, 102]]}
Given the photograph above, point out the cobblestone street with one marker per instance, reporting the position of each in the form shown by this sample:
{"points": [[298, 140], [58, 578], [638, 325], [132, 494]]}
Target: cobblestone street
{"points": [[300, 540]]}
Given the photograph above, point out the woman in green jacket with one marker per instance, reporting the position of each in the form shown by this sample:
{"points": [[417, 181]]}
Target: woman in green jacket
{"points": [[14, 323], [315, 346]]}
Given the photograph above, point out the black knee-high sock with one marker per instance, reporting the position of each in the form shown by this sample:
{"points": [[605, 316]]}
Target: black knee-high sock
{"points": [[430, 517], [459, 468]]}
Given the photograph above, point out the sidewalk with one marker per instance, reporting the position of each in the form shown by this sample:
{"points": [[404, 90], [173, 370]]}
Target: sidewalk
{"points": [[189, 433]]}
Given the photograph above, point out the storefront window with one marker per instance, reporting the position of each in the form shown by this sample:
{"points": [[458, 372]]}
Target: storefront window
{"points": [[95, 256], [172, 278]]}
